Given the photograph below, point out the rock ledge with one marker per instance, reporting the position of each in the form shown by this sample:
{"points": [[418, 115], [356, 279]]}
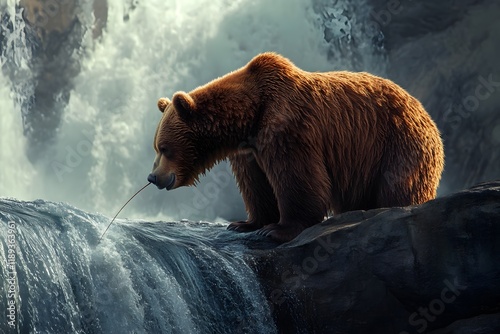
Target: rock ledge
{"points": [[432, 268]]}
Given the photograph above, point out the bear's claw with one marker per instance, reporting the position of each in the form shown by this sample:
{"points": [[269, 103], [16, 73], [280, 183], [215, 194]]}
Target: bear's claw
{"points": [[280, 232]]}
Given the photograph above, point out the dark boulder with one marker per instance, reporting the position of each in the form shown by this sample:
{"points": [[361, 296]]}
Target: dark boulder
{"points": [[421, 269]]}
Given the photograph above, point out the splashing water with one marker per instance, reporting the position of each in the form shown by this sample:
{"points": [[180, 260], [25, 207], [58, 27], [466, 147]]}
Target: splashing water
{"points": [[143, 278]]}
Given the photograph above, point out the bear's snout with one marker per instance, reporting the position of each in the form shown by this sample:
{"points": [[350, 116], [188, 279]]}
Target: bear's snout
{"points": [[161, 182], [152, 178]]}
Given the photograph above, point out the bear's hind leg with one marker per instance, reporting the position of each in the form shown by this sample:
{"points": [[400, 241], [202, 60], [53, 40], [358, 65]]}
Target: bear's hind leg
{"points": [[399, 188], [260, 202]]}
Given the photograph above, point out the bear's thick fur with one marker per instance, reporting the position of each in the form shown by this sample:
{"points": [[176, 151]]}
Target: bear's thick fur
{"points": [[302, 145]]}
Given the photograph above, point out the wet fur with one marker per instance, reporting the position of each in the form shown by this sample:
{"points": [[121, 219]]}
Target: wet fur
{"points": [[303, 145]]}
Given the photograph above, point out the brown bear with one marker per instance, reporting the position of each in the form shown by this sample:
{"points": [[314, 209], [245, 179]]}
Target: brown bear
{"points": [[302, 145]]}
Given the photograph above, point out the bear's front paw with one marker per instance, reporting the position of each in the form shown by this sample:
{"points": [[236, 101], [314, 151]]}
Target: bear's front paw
{"points": [[243, 226], [281, 232]]}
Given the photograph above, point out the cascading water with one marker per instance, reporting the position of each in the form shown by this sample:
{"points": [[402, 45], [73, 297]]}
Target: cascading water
{"points": [[142, 278]]}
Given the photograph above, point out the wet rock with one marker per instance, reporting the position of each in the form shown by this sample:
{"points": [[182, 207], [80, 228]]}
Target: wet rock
{"points": [[421, 269]]}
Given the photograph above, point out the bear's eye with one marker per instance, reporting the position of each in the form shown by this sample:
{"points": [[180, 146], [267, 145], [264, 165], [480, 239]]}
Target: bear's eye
{"points": [[166, 152]]}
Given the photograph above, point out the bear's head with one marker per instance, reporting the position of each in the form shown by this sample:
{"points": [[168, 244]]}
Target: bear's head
{"points": [[176, 144], [212, 122]]}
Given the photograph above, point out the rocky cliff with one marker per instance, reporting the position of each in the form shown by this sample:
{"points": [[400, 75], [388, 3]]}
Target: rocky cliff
{"points": [[432, 268]]}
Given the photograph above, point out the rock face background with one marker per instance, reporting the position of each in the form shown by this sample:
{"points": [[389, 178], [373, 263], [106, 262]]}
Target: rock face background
{"points": [[445, 53], [433, 268]]}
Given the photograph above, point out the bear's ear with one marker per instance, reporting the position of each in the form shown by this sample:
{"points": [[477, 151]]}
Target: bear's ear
{"points": [[184, 104], [163, 103]]}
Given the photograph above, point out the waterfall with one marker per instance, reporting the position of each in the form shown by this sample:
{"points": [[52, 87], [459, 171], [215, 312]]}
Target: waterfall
{"points": [[144, 277]]}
